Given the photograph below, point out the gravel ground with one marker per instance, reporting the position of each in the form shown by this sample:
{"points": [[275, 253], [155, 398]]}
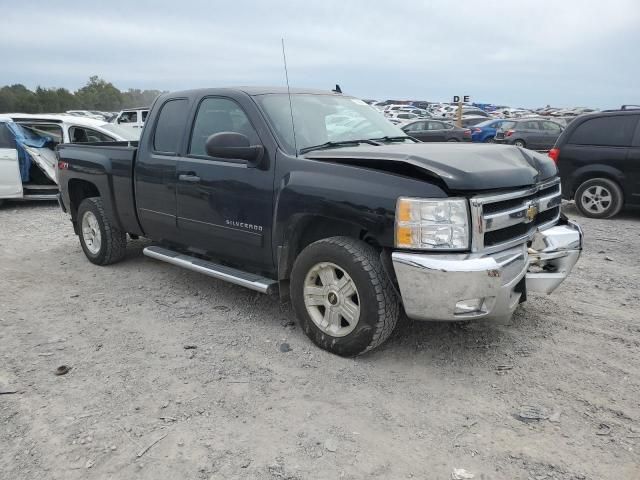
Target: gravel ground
{"points": [[159, 354]]}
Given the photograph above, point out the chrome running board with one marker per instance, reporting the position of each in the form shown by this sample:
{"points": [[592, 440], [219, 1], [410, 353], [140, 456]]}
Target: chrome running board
{"points": [[221, 272]]}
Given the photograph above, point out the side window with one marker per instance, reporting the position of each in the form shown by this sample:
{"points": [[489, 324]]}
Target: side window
{"points": [[416, 127], [551, 127], [170, 126], [216, 115], [84, 135], [45, 130], [144, 115], [435, 126], [613, 131], [128, 117], [6, 138]]}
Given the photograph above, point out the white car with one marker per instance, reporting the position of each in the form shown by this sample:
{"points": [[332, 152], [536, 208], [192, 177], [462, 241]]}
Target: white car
{"points": [[28, 168], [403, 117], [86, 113], [132, 118]]}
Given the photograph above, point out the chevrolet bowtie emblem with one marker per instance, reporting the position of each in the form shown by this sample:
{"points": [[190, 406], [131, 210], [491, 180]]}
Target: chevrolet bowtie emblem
{"points": [[531, 212]]}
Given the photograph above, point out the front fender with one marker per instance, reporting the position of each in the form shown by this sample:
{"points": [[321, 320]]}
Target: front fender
{"points": [[363, 197]]}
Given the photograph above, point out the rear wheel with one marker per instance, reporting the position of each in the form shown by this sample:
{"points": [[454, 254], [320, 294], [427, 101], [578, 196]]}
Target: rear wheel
{"points": [[489, 140], [452, 140], [520, 143], [101, 242], [342, 296], [599, 198]]}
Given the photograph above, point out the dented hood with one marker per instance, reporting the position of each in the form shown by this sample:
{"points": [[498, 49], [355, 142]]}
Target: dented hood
{"points": [[462, 167]]}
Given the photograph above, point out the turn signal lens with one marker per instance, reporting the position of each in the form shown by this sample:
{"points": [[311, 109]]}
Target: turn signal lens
{"points": [[404, 235], [404, 211]]}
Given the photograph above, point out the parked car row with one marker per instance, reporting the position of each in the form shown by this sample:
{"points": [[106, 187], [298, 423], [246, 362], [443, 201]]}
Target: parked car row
{"points": [[436, 131]]}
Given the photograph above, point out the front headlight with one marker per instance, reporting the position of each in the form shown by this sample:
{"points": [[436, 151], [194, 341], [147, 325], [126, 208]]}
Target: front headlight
{"points": [[438, 224]]}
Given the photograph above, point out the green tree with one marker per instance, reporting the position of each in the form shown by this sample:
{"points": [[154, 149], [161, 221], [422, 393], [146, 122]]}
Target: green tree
{"points": [[99, 94], [18, 98]]}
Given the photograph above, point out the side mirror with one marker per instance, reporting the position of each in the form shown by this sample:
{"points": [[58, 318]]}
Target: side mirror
{"points": [[234, 145]]}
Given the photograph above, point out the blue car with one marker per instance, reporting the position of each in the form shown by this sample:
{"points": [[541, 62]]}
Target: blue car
{"points": [[485, 131]]}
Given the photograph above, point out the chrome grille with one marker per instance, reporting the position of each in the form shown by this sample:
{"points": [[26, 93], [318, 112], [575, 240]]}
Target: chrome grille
{"points": [[506, 219]]}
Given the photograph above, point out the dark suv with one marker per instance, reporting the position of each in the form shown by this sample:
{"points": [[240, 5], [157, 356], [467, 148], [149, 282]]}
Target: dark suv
{"points": [[598, 156]]}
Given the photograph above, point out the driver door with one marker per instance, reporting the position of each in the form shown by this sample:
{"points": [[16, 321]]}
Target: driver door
{"points": [[224, 207]]}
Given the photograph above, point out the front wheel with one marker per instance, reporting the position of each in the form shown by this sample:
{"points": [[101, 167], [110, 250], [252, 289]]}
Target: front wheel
{"points": [[520, 143], [101, 242], [599, 198], [342, 296]]}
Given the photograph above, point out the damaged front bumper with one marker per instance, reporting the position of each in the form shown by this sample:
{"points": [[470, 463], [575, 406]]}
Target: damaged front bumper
{"points": [[453, 287]]}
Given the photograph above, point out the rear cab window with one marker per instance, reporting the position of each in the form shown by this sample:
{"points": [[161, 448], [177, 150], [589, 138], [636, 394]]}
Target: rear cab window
{"points": [[170, 126], [609, 131]]}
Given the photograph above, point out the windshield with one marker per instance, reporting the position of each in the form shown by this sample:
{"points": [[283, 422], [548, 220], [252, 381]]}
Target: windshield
{"points": [[126, 134], [324, 118]]}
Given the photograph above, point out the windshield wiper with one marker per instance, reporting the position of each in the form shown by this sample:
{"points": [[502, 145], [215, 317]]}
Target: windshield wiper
{"points": [[394, 139], [341, 143]]}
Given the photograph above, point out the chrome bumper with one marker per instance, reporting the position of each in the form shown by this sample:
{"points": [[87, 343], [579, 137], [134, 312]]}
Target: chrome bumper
{"points": [[468, 286]]}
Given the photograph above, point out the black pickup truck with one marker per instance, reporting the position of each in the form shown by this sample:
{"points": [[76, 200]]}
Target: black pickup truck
{"points": [[315, 195]]}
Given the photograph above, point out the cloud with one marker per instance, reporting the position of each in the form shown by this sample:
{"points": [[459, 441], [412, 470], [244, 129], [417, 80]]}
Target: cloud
{"points": [[521, 53]]}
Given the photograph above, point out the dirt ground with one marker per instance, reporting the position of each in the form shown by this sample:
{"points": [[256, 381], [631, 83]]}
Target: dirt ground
{"points": [[435, 398]]}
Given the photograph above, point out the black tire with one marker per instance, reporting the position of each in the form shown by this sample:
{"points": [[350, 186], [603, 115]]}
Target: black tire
{"points": [[453, 140], [377, 300], [605, 209], [520, 143], [113, 245], [489, 140]]}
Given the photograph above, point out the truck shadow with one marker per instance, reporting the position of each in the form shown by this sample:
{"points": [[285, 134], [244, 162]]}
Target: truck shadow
{"points": [[460, 342], [26, 206], [627, 213]]}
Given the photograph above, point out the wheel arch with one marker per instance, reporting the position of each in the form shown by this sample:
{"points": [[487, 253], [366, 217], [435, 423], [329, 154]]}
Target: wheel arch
{"points": [[305, 230], [595, 171], [79, 190]]}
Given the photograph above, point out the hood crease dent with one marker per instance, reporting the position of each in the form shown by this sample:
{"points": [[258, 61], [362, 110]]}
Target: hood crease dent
{"points": [[462, 167]]}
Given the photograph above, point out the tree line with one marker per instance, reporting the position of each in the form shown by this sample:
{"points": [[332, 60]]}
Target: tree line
{"points": [[97, 94]]}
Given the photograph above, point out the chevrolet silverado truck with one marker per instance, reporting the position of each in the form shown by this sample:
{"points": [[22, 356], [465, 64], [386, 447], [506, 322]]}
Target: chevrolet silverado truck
{"points": [[316, 196]]}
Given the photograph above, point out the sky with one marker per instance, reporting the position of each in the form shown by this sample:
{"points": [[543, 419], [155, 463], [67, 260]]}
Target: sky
{"points": [[513, 52]]}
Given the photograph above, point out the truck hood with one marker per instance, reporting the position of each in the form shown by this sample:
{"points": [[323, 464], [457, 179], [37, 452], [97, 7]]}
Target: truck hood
{"points": [[462, 167]]}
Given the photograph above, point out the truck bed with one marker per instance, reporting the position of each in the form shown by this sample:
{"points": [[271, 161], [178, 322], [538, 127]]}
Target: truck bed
{"points": [[108, 166]]}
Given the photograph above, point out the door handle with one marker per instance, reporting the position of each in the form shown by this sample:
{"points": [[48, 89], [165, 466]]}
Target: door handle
{"points": [[189, 178]]}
